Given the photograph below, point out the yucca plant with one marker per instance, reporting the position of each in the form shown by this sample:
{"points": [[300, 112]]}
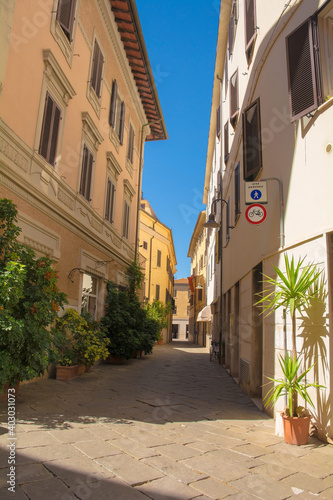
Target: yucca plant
{"points": [[290, 385], [294, 290]]}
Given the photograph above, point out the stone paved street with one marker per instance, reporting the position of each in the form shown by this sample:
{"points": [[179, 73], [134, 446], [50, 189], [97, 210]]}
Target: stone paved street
{"points": [[168, 426]]}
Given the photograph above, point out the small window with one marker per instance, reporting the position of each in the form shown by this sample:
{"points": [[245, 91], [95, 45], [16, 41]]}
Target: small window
{"points": [[226, 142], [159, 258], [96, 70], [237, 192], [110, 201], [65, 16], [117, 112], [130, 147], [227, 223], [50, 130], [250, 27], [157, 292], [175, 311], [252, 141], [126, 220], [145, 245], [200, 295], [174, 293], [234, 99], [86, 173]]}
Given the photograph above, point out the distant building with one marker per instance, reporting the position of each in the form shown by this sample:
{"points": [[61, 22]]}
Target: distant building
{"points": [[180, 318], [77, 103], [158, 258]]}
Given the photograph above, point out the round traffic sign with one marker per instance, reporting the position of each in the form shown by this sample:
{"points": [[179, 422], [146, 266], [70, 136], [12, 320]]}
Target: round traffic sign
{"points": [[256, 213]]}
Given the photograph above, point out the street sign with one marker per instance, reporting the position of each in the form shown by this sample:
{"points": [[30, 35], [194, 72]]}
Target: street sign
{"points": [[256, 213], [255, 192]]}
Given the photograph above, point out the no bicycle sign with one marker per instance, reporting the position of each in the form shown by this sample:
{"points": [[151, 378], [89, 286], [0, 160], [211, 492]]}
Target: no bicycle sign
{"points": [[256, 213]]}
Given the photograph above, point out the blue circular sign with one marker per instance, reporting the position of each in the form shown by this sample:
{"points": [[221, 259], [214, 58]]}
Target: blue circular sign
{"points": [[256, 194]]}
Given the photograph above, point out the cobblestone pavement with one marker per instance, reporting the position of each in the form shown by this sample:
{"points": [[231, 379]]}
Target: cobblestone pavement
{"points": [[168, 426]]}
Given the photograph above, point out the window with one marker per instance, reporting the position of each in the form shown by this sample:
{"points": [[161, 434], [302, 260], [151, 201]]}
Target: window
{"points": [[250, 27], [157, 292], [188, 310], [237, 191], [89, 295], [159, 258], [252, 141], [310, 73], [174, 311], [174, 293], [234, 99], [218, 121], [227, 224], [110, 200], [232, 26], [65, 16], [117, 113], [86, 173], [226, 142], [126, 216], [96, 70], [145, 245], [199, 294], [50, 130], [130, 147]]}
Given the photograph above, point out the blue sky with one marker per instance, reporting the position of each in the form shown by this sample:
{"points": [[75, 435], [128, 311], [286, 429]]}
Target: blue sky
{"points": [[181, 40]]}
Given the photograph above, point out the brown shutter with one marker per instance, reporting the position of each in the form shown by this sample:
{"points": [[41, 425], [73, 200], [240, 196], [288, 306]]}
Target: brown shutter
{"points": [[108, 200], [99, 73], [303, 92], [252, 141], [46, 127], [226, 142], [233, 97], [65, 16], [54, 136], [113, 104], [122, 123], [218, 121]]}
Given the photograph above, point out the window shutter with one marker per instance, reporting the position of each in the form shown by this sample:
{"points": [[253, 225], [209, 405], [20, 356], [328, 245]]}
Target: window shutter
{"points": [[65, 16], [252, 141], [94, 66], [231, 33], [84, 170], [237, 191], [250, 25], [233, 96], [130, 144], [303, 92], [122, 123], [99, 73], [46, 127], [86, 173], [54, 136], [108, 201], [226, 142], [113, 104], [89, 176], [218, 121]]}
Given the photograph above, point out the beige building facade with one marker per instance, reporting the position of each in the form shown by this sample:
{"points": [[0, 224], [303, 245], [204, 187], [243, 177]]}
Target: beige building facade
{"points": [[180, 316], [158, 258], [77, 104], [271, 122], [199, 324]]}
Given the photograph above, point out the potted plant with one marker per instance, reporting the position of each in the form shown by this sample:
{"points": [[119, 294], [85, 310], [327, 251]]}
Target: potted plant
{"points": [[77, 341], [29, 303], [296, 425], [293, 290]]}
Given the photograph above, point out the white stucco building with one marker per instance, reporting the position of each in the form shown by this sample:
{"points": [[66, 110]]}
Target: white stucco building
{"points": [[272, 118]]}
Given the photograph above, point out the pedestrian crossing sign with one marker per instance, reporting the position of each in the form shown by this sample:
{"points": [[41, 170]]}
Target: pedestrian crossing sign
{"points": [[255, 192]]}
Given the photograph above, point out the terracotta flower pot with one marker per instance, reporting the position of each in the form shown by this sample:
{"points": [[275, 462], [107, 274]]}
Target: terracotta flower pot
{"points": [[115, 360], [66, 373], [81, 370], [296, 429]]}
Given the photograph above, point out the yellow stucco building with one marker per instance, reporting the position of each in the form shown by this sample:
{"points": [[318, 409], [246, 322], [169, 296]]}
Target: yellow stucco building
{"points": [[77, 103], [158, 258]]}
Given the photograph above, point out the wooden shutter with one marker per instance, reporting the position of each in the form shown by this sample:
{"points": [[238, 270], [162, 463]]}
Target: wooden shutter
{"points": [[218, 121], [234, 98], [226, 142], [122, 122], [86, 173], [113, 104], [250, 25], [109, 205], [302, 79], [96, 70], [65, 16], [252, 141], [237, 191], [50, 130], [130, 144]]}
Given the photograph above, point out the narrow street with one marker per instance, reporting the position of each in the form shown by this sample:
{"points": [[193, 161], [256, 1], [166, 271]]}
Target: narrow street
{"points": [[169, 426]]}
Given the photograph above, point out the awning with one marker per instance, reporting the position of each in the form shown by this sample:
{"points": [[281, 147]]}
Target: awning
{"points": [[205, 314]]}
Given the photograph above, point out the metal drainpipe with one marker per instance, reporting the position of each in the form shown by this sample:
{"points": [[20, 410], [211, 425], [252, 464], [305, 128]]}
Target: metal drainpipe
{"points": [[221, 231], [150, 256]]}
